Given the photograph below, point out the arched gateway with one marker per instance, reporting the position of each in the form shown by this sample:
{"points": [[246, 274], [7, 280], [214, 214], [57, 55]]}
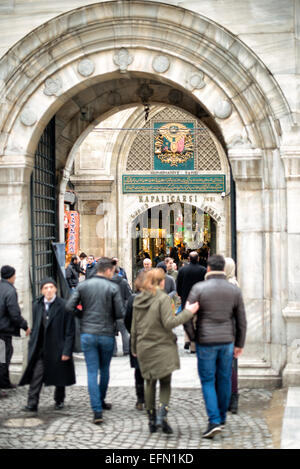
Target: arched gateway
{"points": [[85, 65]]}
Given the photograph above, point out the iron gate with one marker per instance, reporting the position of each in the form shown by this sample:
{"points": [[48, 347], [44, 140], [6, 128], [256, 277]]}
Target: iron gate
{"points": [[43, 209]]}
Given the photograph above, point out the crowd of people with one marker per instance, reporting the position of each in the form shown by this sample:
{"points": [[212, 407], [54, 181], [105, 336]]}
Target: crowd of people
{"points": [[205, 299]]}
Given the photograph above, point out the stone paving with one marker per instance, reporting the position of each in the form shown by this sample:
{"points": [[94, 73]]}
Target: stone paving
{"points": [[125, 427]]}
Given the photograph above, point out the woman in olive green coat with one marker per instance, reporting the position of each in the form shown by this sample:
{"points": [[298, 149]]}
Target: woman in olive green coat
{"points": [[154, 343]]}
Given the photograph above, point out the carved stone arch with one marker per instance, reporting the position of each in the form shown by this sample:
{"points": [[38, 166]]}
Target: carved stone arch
{"points": [[211, 210], [43, 72]]}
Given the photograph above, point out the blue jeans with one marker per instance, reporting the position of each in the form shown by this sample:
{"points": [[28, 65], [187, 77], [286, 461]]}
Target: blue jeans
{"points": [[214, 368], [98, 352]]}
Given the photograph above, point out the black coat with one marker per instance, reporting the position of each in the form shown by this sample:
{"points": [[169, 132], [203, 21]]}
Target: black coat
{"points": [[72, 274], [59, 336], [11, 320], [187, 276], [125, 289], [128, 321], [91, 270]]}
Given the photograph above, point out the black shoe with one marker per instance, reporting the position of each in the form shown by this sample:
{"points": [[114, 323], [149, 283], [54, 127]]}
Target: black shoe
{"points": [[161, 420], [106, 406], [234, 403], [10, 386], [187, 345], [30, 408], [98, 419], [152, 420], [212, 430], [166, 428], [59, 405]]}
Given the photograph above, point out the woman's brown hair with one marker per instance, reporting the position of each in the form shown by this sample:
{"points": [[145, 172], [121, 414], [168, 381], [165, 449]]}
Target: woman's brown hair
{"points": [[152, 279]]}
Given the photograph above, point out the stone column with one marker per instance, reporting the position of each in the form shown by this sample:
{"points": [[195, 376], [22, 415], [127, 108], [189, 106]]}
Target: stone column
{"points": [[260, 238], [15, 246], [249, 222], [291, 313]]}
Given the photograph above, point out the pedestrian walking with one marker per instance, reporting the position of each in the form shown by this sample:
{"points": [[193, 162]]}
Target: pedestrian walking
{"points": [[138, 378], [50, 347], [11, 321], [234, 400], [147, 265], [187, 276], [91, 267], [170, 264], [72, 272], [102, 305], [170, 285], [217, 342], [121, 272], [154, 343], [126, 293]]}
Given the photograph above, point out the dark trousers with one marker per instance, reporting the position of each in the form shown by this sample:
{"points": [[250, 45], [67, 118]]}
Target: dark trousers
{"points": [[234, 376], [37, 383], [7, 349], [139, 385], [125, 338]]}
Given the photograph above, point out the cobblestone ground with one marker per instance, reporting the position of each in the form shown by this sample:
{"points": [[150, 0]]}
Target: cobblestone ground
{"points": [[127, 428]]}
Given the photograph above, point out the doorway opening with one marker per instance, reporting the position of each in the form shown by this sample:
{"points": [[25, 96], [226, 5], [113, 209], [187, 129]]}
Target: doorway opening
{"points": [[172, 230]]}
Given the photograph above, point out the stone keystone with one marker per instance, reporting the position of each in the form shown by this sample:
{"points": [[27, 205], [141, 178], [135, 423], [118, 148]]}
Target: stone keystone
{"points": [[122, 59]]}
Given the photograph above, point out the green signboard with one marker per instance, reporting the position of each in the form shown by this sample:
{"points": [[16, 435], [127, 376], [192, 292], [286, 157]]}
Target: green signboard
{"points": [[168, 183]]}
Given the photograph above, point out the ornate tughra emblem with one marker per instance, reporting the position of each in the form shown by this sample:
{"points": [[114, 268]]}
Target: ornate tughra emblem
{"points": [[174, 143]]}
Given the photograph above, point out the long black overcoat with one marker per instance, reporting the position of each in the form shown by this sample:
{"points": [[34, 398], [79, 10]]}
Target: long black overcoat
{"points": [[59, 336]]}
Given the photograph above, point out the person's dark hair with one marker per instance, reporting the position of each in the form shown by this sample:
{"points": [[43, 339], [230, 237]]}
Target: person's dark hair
{"points": [[105, 263], [83, 255], [193, 257], [73, 259], [7, 272], [216, 262]]}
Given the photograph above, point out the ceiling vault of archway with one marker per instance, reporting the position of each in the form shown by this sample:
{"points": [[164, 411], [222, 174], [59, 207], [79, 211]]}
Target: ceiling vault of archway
{"points": [[91, 105]]}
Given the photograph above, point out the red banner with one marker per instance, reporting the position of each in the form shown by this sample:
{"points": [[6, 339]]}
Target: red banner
{"points": [[73, 232]]}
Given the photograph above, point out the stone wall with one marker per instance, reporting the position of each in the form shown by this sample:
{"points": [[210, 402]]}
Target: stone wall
{"points": [[269, 28]]}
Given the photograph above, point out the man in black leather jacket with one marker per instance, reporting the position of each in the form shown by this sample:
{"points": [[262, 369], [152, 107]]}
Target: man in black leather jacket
{"points": [[102, 306]]}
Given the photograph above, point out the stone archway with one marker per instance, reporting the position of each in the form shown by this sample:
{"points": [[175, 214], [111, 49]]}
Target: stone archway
{"points": [[68, 66]]}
